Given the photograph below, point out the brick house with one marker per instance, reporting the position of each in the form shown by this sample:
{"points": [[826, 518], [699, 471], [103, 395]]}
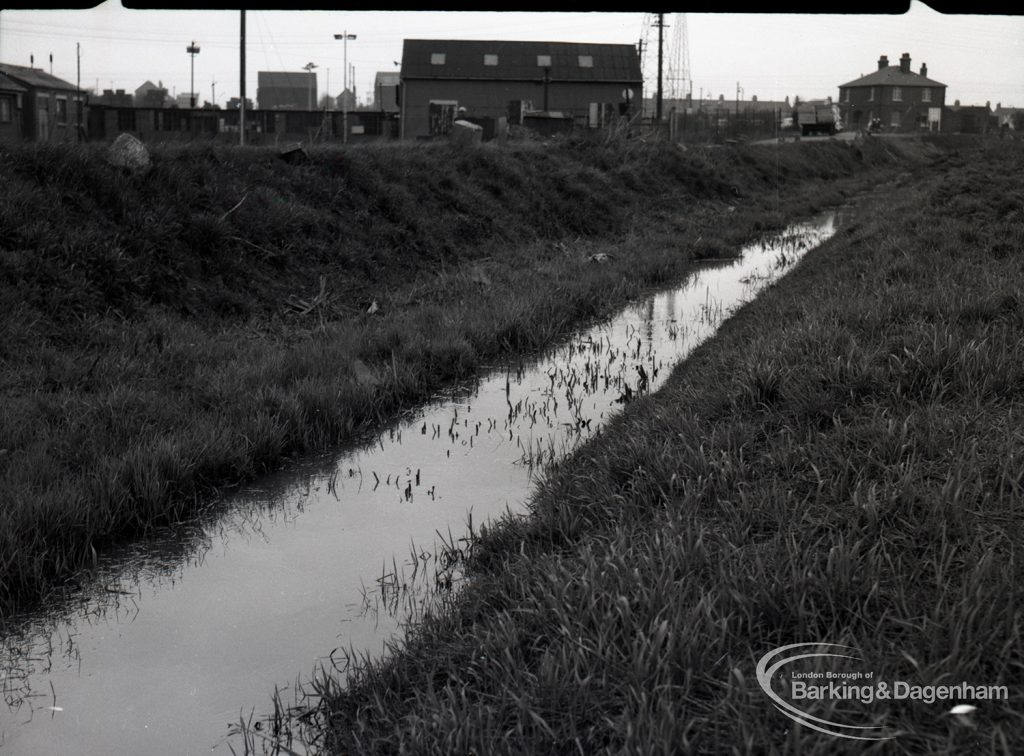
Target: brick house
{"points": [[11, 97], [902, 99], [578, 80]]}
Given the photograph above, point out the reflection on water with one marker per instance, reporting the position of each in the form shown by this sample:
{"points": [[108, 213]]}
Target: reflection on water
{"points": [[175, 639]]}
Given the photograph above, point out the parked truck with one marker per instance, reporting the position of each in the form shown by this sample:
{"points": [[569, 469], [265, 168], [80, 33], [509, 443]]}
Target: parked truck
{"points": [[819, 119]]}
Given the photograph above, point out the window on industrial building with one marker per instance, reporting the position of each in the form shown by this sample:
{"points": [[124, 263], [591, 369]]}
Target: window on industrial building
{"points": [[846, 95], [62, 110], [6, 110], [544, 61], [872, 95], [586, 61], [897, 94], [490, 60], [926, 94], [894, 120], [437, 59]]}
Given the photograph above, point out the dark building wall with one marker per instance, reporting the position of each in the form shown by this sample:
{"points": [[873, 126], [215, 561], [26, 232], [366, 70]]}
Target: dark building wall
{"points": [[44, 119], [291, 98], [968, 120], [491, 98], [11, 123]]}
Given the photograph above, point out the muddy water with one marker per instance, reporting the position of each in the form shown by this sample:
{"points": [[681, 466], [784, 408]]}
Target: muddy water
{"points": [[183, 635]]}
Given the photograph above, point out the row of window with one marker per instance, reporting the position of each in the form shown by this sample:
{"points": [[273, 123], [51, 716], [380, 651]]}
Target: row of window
{"points": [[543, 61], [897, 94]]}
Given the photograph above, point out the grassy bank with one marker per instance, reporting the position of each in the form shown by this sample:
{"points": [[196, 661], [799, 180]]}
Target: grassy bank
{"points": [[186, 328], [842, 464]]}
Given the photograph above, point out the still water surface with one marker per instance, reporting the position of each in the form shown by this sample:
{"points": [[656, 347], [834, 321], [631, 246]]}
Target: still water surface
{"points": [[183, 634]]}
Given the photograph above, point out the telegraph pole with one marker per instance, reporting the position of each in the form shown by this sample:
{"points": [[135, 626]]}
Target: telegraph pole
{"points": [[661, 52], [241, 86], [78, 88]]}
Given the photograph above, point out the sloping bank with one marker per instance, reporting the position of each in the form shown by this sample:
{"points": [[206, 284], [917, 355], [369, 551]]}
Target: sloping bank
{"points": [[843, 463], [186, 328]]}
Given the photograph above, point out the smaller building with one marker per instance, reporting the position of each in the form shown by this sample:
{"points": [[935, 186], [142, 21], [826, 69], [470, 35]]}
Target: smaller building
{"points": [[150, 95], [901, 99], [11, 98], [51, 108], [286, 90], [346, 100], [1009, 118], [117, 99], [969, 119], [385, 91]]}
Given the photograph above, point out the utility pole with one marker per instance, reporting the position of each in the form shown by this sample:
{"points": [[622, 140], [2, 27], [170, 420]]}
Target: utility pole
{"points": [[241, 86], [213, 92], [192, 50], [312, 77], [661, 53], [78, 88]]}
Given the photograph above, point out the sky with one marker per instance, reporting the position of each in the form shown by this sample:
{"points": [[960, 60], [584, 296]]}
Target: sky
{"points": [[772, 55]]}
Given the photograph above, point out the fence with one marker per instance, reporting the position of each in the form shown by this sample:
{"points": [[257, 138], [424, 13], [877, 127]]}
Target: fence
{"points": [[261, 126], [721, 124]]}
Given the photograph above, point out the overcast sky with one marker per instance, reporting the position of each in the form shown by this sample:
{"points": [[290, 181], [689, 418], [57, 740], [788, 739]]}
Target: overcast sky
{"points": [[980, 58]]}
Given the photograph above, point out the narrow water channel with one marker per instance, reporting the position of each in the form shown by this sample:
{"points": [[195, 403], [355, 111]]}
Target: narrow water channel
{"points": [[181, 636]]}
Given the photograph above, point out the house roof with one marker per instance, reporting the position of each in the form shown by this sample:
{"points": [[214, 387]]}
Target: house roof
{"points": [[284, 79], [35, 78], [8, 84], [146, 86], [387, 78], [464, 59], [893, 76]]}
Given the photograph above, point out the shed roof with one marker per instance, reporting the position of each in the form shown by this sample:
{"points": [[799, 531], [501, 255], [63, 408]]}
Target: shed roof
{"points": [[35, 78], [893, 76], [7, 84], [464, 59]]}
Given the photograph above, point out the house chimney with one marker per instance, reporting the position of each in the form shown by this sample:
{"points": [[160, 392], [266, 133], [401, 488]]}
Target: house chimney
{"points": [[905, 63], [883, 62], [924, 69], [754, 98]]}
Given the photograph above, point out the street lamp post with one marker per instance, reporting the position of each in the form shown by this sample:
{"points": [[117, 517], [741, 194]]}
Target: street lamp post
{"points": [[309, 69], [345, 37], [193, 51]]}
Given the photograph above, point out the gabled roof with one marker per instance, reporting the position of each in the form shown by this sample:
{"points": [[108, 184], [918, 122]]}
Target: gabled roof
{"points": [[464, 59], [8, 84], [284, 79], [894, 77], [35, 77]]}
